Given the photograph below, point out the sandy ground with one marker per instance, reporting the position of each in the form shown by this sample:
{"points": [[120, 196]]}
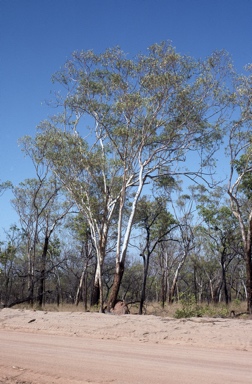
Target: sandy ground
{"points": [[39, 347]]}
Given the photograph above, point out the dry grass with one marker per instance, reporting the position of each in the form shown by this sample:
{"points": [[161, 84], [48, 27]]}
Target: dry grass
{"points": [[190, 308], [179, 310]]}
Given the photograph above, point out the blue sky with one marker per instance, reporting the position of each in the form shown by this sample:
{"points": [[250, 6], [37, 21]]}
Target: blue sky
{"points": [[38, 36]]}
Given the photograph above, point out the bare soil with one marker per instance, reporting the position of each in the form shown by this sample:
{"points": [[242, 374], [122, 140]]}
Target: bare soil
{"points": [[38, 347]]}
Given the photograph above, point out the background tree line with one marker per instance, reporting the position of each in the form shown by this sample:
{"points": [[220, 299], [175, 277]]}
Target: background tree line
{"points": [[126, 202]]}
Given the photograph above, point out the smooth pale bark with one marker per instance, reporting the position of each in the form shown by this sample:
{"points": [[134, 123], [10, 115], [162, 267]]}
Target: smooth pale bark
{"points": [[122, 251], [246, 232], [146, 114], [80, 287], [175, 279]]}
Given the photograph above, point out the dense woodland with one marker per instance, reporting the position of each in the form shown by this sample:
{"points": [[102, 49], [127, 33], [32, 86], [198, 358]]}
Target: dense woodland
{"points": [[128, 202]]}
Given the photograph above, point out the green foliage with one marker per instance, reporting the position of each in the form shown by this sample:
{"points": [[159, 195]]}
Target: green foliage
{"points": [[79, 226], [215, 210], [132, 282], [190, 308], [143, 115], [123, 124], [153, 216], [4, 186], [243, 167], [216, 310]]}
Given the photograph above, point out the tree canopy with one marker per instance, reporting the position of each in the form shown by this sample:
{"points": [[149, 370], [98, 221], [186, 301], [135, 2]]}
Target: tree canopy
{"points": [[126, 122], [126, 132]]}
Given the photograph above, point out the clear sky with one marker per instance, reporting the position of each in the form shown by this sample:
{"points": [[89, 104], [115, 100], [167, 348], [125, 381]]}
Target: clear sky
{"points": [[38, 36]]}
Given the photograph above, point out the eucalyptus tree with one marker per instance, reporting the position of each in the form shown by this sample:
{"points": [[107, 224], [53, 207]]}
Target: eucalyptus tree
{"points": [[124, 122], [240, 177], [157, 223], [41, 208], [219, 235], [90, 176]]}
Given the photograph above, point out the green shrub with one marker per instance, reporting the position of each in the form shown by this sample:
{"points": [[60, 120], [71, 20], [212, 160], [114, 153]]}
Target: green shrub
{"points": [[189, 308]]}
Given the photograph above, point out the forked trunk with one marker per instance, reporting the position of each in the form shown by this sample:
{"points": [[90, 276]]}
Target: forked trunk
{"points": [[121, 252]]}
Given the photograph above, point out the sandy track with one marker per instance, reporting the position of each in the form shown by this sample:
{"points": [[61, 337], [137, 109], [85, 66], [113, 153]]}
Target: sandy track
{"points": [[39, 348]]}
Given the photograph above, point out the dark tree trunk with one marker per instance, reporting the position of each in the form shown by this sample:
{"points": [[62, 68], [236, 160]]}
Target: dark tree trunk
{"points": [[95, 290], [85, 293], [116, 286], [41, 289], [224, 280], [145, 274], [172, 291], [58, 297], [164, 288], [249, 281], [195, 284], [31, 279], [95, 295]]}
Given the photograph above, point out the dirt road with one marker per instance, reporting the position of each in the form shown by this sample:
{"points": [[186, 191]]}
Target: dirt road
{"points": [[41, 358]]}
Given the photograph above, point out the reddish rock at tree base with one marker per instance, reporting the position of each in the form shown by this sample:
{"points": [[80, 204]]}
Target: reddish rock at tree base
{"points": [[120, 308]]}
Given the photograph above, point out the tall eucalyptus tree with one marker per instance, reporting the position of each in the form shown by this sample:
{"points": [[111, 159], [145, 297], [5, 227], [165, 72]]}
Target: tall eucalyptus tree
{"points": [[240, 177], [124, 122]]}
